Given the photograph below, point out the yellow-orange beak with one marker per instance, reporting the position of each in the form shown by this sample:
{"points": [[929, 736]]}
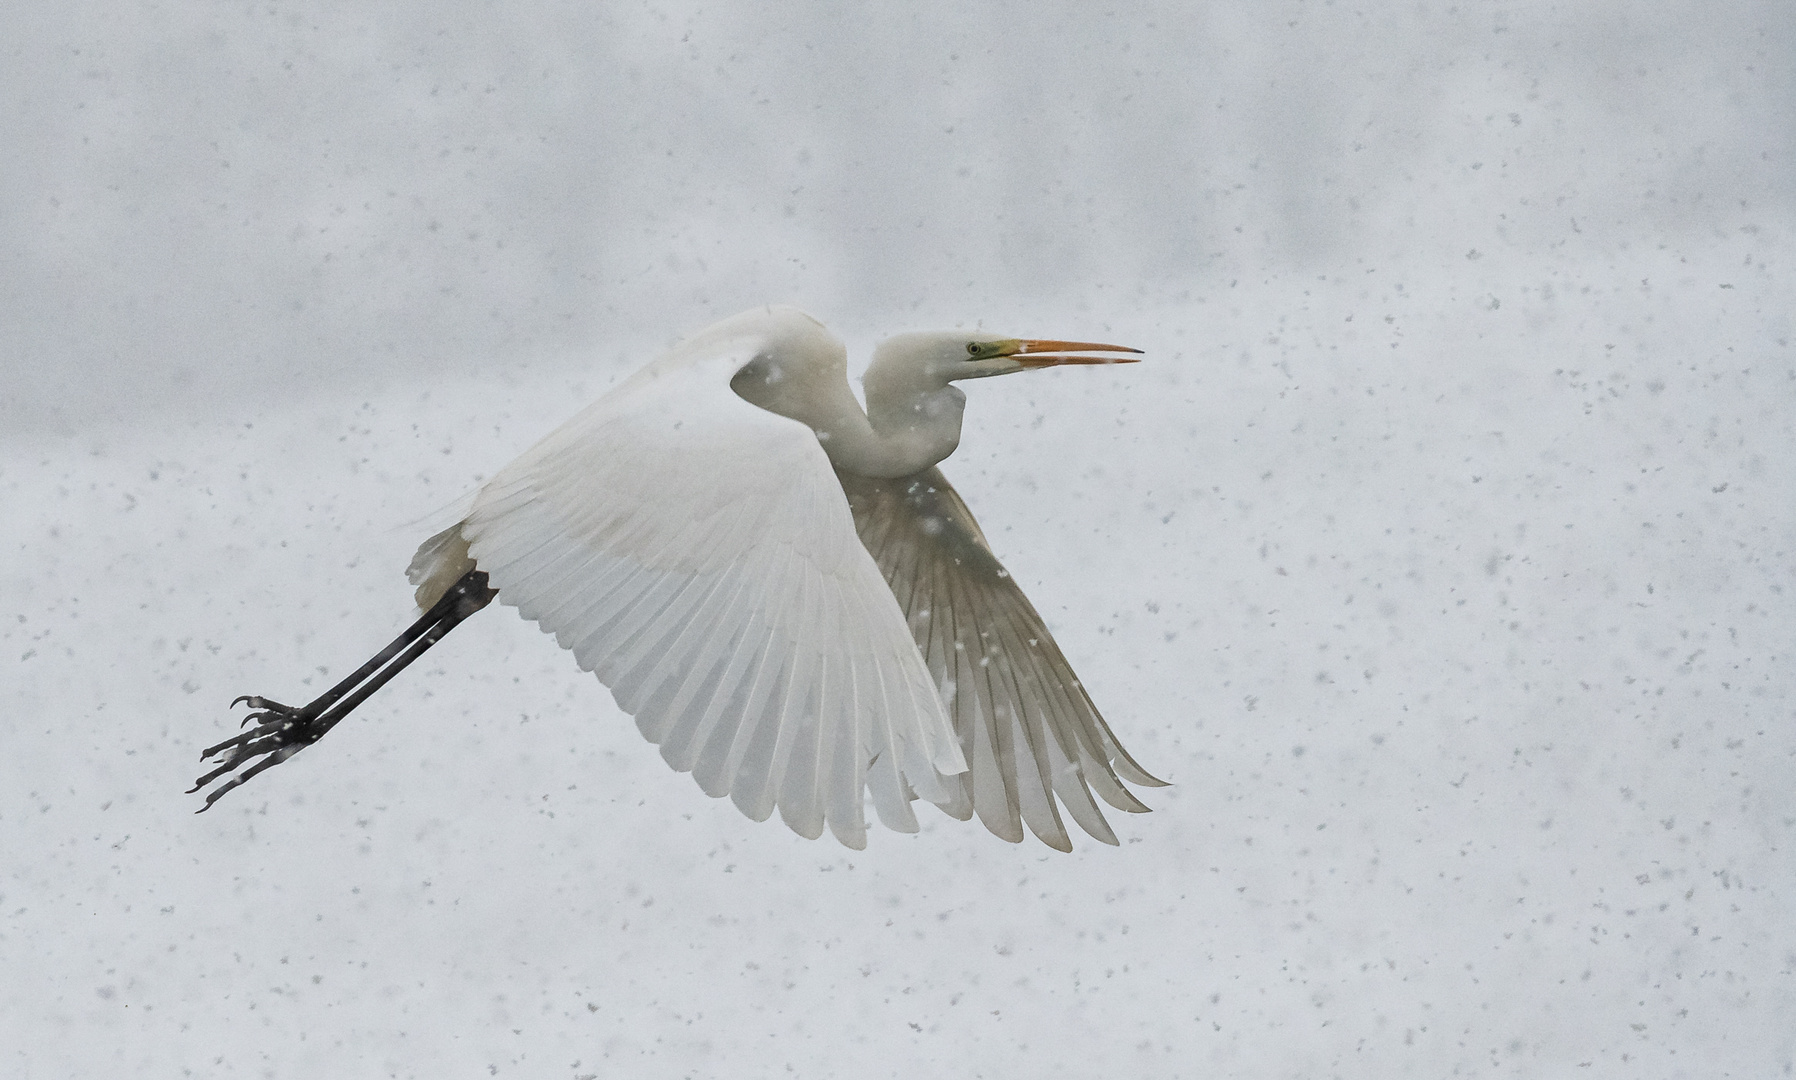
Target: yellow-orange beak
{"points": [[1041, 352]]}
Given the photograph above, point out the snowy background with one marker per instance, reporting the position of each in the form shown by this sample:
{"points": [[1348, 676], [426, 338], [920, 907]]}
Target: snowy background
{"points": [[1440, 552]]}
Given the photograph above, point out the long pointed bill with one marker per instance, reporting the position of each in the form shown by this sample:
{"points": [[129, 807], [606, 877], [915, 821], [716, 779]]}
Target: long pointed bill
{"points": [[1040, 352]]}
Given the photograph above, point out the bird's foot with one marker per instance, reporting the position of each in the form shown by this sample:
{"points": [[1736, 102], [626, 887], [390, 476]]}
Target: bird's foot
{"points": [[280, 731]]}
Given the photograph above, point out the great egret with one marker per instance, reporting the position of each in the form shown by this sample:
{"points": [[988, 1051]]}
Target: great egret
{"points": [[781, 588]]}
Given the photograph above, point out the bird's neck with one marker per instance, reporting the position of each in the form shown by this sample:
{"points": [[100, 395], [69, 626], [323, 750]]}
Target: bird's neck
{"points": [[912, 422], [899, 439]]}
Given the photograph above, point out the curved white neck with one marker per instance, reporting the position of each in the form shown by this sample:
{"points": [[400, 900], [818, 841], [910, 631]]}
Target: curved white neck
{"points": [[911, 421], [898, 435], [914, 419]]}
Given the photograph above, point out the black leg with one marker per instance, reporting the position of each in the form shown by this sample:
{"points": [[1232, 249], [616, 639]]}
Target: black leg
{"points": [[281, 731]]}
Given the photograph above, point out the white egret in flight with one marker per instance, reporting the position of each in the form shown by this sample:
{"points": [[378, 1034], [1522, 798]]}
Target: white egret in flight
{"points": [[780, 587]]}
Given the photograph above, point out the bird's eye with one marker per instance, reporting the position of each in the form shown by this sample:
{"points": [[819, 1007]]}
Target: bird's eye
{"points": [[972, 348]]}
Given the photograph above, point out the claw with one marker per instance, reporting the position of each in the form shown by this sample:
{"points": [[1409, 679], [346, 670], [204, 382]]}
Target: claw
{"points": [[228, 743], [275, 757], [258, 702], [262, 708], [255, 718], [213, 775], [268, 728], [280, 731]]}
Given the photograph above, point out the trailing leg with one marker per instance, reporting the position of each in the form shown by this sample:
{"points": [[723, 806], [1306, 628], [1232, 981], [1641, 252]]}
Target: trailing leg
{"points": [[281, 731]]}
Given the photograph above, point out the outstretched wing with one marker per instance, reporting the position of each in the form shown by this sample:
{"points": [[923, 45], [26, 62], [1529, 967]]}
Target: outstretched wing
{"points": [[1027, 728], [694, 551]]}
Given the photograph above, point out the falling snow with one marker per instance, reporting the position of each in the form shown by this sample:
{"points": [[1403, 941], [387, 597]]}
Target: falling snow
{"points": [[1440, 552]]}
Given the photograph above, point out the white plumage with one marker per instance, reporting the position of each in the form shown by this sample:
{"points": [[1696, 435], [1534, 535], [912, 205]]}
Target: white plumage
{"points": [[781, 588]]}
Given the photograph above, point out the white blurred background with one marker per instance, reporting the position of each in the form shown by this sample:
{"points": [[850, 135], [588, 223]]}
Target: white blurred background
{"points": [[1439, 553]]}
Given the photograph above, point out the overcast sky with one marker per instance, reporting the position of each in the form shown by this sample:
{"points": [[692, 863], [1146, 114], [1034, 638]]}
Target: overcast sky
{"points": [[206, 205]]}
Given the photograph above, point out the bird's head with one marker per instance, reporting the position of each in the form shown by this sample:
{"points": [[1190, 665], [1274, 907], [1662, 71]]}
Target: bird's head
{"points": [[947, 356], [913, 405]]}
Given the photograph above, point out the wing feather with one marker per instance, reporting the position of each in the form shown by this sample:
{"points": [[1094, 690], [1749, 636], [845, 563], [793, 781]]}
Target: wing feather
{"points": [[694, 551], [636, 666], [723, 627], [800, 807], [1029, 744], [694, 731], [1028, 730], [844, 777]]}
